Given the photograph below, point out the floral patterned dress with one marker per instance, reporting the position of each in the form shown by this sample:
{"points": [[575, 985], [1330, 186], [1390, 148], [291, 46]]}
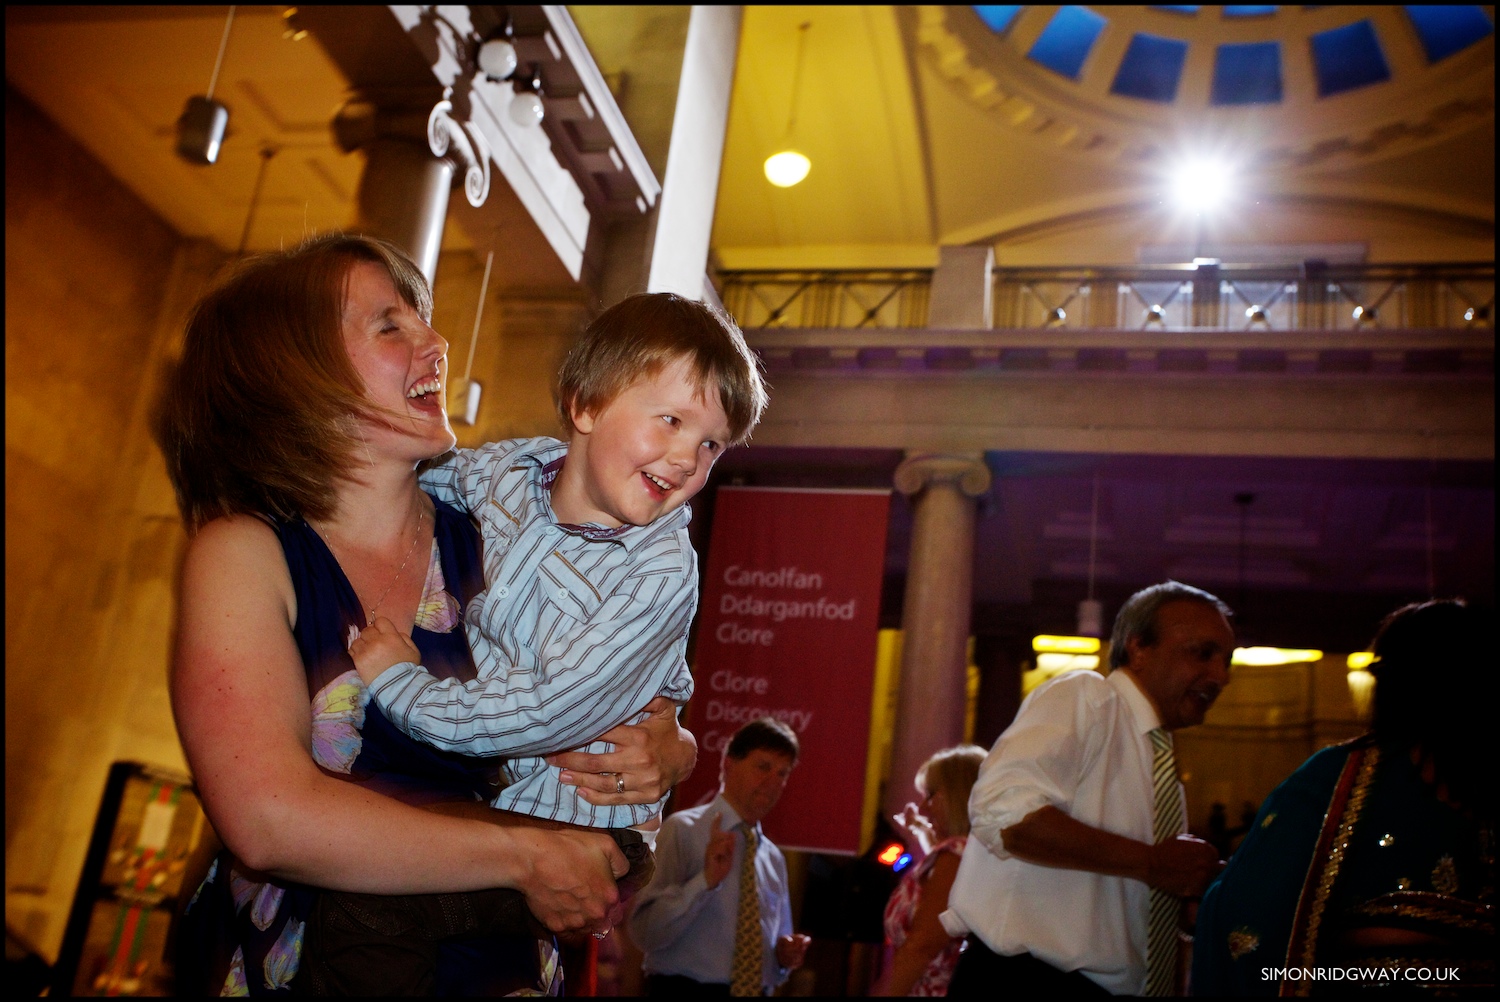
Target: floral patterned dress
{"points": [[902, 908], [241, 934]]}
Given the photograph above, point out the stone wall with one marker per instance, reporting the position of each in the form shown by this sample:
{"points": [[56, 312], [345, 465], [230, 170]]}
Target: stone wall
{"points": [[96, 289]]}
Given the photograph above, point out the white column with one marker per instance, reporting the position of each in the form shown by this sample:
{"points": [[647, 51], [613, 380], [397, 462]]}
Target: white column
{"points": [[935, 614], [961, 289], [403, 197], [685, 215]]}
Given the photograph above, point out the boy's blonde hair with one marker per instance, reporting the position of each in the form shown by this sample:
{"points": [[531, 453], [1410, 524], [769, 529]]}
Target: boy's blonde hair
{"points": [[643, 334]]}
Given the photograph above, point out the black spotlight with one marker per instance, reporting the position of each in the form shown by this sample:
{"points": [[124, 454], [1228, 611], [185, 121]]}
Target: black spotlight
{"points": [[200, 130]]}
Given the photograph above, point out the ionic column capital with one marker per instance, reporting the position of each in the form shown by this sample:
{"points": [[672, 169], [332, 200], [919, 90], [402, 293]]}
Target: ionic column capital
{"points": [[966, 472], [410, 114]]}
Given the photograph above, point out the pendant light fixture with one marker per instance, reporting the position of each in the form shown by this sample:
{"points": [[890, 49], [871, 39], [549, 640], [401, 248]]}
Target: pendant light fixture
{"points": [[499, 62], [200, 130], [467, 390], [790, 166]]}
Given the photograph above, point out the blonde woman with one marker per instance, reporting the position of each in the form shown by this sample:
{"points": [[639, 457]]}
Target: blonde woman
{"points": [[920, 954]]}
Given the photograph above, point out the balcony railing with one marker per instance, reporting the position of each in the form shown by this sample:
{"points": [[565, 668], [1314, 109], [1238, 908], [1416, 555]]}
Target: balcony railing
{"points": [[1187, 297], [826, 299]]}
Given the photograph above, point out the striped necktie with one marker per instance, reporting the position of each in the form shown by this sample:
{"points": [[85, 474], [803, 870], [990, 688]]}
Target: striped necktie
{"points": [[1161, 942], [749, 942]]}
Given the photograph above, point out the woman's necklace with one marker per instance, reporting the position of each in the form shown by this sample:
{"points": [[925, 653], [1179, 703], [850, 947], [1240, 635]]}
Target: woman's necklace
{"points": [[370, 612]]}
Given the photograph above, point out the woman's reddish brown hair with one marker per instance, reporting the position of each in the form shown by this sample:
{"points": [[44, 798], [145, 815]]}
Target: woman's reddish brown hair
{"points": [[258, 415]]}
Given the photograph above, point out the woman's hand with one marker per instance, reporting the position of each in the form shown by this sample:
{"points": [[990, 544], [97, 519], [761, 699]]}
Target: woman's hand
{"points": [[915, 830], [570, 879], [649, 759]]}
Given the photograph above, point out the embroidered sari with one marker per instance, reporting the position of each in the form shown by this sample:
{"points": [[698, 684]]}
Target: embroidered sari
{"points": [[1354, 873]]}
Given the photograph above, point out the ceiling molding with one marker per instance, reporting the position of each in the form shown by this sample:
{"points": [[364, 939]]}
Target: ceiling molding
{"points": [[1035, 221]]}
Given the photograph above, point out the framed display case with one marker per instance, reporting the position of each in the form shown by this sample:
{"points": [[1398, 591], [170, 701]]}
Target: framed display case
{"points": [[149, 839]]}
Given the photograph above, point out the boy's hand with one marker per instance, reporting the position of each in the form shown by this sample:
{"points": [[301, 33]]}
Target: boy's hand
{"points": [[379, 646]]}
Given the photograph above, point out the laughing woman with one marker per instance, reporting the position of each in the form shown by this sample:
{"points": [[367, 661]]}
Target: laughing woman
{"points": [[309, 390]]}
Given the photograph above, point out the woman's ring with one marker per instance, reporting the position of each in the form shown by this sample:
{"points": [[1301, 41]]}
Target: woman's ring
{"points": [[619, 783]]}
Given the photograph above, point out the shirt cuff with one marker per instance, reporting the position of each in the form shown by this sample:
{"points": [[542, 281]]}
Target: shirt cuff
{"points": [[389, 683], [953, 925], [1013, 808]]}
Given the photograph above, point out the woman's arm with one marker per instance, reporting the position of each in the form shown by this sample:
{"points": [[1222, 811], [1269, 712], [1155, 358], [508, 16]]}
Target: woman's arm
{"points": [[927, 937], [652, 756], [239, 693]]}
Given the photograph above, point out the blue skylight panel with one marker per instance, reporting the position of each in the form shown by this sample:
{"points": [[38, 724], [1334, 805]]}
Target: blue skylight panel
{"points": [[997, 17], [1348, 57], [1247, 73], [1446, 30], [1151, 68], [1065, 43], [1245, 10]]}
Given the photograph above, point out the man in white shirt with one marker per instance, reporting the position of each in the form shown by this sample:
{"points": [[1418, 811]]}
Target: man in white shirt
{"points": [[716, 920], [1073, 878]]}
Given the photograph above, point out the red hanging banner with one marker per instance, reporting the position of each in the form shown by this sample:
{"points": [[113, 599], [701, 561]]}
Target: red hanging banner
{"points": [[787, 629]]}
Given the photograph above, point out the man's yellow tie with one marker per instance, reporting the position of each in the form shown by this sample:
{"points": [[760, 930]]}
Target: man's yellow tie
{"points": [[1161, 941], [749, 943]]}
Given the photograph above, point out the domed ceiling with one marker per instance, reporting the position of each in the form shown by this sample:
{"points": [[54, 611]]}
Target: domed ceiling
{"points": [[1052, 132], [1045, 131], [1279, 84]]}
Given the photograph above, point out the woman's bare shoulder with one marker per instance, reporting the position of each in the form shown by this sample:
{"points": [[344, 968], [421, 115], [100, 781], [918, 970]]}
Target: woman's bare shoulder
{"points": [[232, 532], [241, 554]]}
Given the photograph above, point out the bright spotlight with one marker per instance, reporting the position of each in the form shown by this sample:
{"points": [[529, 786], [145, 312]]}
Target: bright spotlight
{"points": [[1267, 656], [787, 168], [1201, 185], [1065, 645], [1053, 661]]}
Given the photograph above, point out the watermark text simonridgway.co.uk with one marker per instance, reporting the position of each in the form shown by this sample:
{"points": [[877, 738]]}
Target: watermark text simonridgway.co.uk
{"points": [[1406, 975]]}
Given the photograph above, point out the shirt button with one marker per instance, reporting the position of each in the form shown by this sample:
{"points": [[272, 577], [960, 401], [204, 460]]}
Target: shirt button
{"points": [[502, 592], [562, 593]]}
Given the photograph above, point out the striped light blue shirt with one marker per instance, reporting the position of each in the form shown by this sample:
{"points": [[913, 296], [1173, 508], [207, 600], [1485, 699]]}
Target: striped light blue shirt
{"points": [[577, 628]]}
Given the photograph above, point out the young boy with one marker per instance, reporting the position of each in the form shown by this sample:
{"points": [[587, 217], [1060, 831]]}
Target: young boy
{"points": [[590, 580]]}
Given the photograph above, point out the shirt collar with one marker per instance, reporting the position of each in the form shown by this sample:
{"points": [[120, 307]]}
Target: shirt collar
{"points": [[547, 460], [1141, 708], [729, 817]]}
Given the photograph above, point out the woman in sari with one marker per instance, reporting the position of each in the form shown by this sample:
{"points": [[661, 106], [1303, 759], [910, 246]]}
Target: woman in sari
{"points": [[1373, 865]]}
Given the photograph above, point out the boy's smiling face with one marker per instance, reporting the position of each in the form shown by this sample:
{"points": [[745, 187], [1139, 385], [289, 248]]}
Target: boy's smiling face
{"points": [[644, 454]]}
